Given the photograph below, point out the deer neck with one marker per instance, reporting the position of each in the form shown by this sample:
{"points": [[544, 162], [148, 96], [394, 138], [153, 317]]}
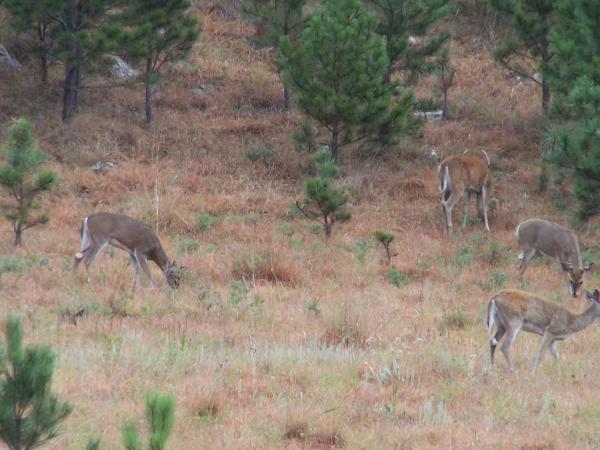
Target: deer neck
{"points": [[160, 258], [583, 320]]}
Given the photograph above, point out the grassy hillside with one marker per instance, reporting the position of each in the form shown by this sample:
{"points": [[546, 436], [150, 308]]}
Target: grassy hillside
{"points": [[277, 338]]}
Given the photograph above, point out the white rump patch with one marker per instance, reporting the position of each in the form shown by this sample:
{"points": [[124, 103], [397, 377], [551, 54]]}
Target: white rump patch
{"points": [[494, 341], [78, 255]]}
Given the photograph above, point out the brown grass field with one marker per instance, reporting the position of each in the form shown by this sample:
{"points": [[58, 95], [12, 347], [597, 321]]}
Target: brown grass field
{"points": [[279, 339]]}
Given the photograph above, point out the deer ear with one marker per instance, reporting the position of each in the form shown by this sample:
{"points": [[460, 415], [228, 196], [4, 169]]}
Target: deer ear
{"points": [[588, 267], [564, 266], [593, 297]]}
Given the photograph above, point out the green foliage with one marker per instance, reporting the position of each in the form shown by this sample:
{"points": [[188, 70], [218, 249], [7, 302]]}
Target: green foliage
{"points": [[93, 444], [360, 249], [527, 49], [87, 32], [401, 20], [205, 221], [337, 73], [23, 178], [158, 32], [572, 148], [286, 229], [454, 319], [385, 238], [498, 278], [29, 412], [323, 201], [160, 416], [13, 263], [187, 245], [275, 19], [238, 292], [34, 19], [264, 154], [396, 277], [305, 138]]}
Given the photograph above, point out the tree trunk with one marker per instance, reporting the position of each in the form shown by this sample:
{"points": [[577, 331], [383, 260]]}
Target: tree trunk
{"points": [[71, 91], [44, 69], [545, 96], [335, 137], [18, 234], [286, 97], [327, 227], [149, 91]]}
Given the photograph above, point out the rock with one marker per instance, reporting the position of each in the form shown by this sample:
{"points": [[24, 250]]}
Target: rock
{"points": [[121, 69], [7, 61]]}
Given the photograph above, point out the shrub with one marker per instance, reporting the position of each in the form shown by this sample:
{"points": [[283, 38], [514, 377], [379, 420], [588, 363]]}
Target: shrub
{"points": [[396, 277], [455, 319], [160, 415], [204, 221], [264, 154]]}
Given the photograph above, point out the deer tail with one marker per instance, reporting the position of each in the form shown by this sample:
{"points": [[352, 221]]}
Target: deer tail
{"points": [[487, 158], [491, 315], [85, 238], [444, 175]]}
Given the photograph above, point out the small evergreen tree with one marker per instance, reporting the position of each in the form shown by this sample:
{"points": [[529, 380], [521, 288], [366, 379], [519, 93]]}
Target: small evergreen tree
{"points": [[276, 19], [161, 31], [337, 73], [323, 202], [159, 416], [29, 412], [36, 17], [23, 179], [385, 238], [528, 49], [401, 20]]}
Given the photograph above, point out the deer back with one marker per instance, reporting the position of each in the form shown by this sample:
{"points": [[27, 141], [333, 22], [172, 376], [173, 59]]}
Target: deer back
{"points": [[551, 239], [465, 172]]}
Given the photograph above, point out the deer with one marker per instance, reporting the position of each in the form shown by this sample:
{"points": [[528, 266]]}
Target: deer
{"points": [[463, 175], [136, 238], [512, 310], [542, 237]]}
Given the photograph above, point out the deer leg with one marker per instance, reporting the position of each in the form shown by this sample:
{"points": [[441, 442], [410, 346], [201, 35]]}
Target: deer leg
{"points": [[136, 270], [80, 256], [500, 332], [554, 353], [89, 258], [524, 258], [543, 345], [484, 194], [467, 200], [508, 341], [144, 263], [449, 204]]}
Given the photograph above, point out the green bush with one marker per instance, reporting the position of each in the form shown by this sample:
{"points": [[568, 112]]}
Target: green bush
{"points": [[396, 277], [264, 154]]}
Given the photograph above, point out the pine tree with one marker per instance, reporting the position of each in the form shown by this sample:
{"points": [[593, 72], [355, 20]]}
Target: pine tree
{"points": [[37, 18], [337, 73], [528, 50], [276, 19], [23, 179], [87, 31], [161, 31], [159, 416], [324, 202], [573, 146], [29, 412], [401, 20]]}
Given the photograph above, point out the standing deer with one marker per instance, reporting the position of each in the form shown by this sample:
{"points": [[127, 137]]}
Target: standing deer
{"points": [[513, 310], [136, 238], [538, 236], [462, 175]]}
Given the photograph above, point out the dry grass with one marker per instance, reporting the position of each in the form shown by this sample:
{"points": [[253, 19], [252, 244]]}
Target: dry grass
{"points": [[279, 338]]}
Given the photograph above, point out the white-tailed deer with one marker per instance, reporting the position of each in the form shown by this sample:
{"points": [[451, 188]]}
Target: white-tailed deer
{"points": [[538, 236], [513, 310], [464, 175], [133, 236]]}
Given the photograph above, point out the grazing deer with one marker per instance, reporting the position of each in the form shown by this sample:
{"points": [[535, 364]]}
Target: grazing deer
{"points": [[513, 310], [463, 175], [136, 238], [538, 236]]}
